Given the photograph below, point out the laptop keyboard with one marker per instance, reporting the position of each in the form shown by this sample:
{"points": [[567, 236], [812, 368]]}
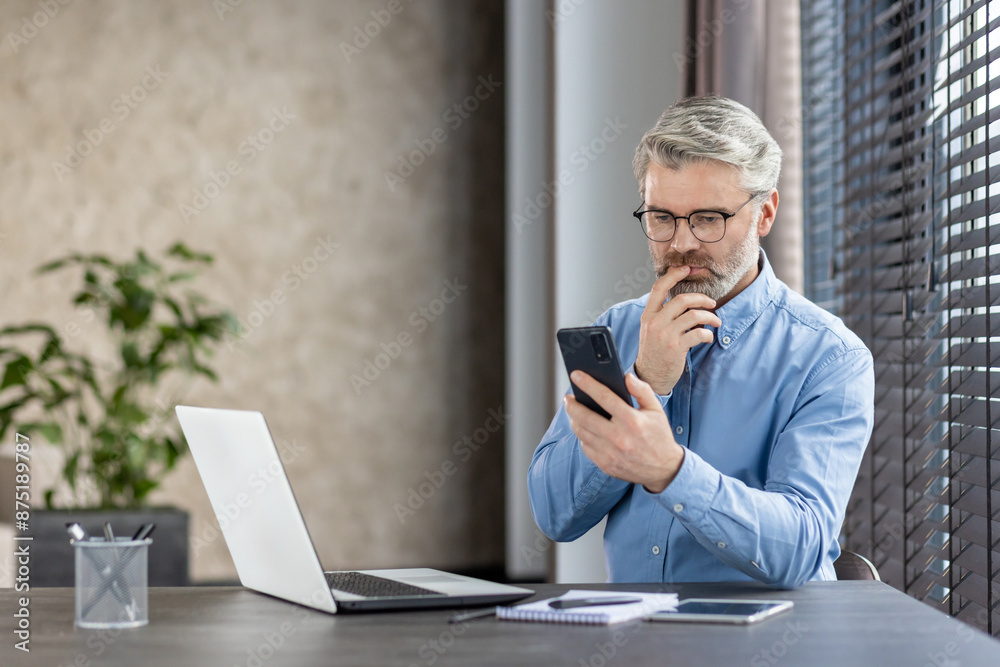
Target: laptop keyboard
{"points": [[370, 586]]}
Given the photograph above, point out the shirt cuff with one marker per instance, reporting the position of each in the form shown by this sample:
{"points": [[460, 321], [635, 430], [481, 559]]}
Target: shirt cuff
{"points": [[691, 493]]}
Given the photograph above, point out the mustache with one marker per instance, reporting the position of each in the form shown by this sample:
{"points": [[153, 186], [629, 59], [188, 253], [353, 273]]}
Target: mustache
{"points": [[689, 259]]}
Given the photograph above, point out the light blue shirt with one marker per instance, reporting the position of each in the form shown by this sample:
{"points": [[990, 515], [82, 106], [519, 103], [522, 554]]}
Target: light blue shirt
{"points": [[774, 416]]}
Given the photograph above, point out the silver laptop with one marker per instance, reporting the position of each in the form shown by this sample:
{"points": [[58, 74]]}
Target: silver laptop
{"points": [[268, 540]]}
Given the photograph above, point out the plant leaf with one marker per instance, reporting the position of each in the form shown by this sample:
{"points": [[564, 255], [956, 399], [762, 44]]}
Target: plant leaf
{"points": [[16, 372], [130, 355], [141, 488], [28, 328], [70, 469], [124, 445], [53, 265], [51, 431], [183, 252]]}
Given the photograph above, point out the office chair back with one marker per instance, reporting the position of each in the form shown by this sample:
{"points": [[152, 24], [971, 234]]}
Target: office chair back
{"points": [[852, 566]]}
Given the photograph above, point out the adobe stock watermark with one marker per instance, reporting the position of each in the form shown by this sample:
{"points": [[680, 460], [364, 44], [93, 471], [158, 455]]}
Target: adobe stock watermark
{"points": [[581, 159], [246, 153], [453, 117], [263, 309], [794, 630], [862, 220], [605, 652], [262, 649], [223, 7], [121, 109], [949, 655], [32, 25], [541, 543], [895, 533], [270, 643], [815, 102], [432, 650], [256, 484], [540, 546], [364, 34], [419, 320], [707, 33], [86, 313], [563, 10], [463, 450], [629, 286]]}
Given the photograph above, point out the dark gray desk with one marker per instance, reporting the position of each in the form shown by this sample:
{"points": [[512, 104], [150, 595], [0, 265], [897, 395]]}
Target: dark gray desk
{"points": [[848, 623]]}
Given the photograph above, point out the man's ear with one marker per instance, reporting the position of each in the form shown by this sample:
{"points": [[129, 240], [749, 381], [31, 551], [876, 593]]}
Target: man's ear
{"points": [[767, 212]]}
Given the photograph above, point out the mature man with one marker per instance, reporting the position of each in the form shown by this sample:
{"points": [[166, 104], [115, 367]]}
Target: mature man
{"points": [[754, 405]]}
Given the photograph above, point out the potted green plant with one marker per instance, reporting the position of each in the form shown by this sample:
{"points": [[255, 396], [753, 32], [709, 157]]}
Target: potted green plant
{"points": [[106, 407]]}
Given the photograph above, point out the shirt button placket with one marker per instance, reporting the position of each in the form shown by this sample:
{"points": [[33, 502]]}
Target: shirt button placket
{"points": [[683, 407]]}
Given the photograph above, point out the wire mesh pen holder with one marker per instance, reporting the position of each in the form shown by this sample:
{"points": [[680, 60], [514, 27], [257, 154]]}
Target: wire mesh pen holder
{"points": [[112, 583]]}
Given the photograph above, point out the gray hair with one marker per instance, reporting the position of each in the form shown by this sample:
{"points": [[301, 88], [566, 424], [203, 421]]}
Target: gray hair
{"points": [[699, 129]]}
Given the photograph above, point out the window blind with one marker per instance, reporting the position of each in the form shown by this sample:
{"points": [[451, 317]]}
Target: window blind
{"points": [[822, 137], [915, 272]]}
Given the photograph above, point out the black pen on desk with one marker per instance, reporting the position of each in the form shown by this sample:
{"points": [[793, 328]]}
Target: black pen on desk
{"points": [[591, 602]]}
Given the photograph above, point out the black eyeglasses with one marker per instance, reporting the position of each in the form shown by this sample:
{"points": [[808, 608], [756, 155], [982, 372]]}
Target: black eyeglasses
{"points": [[707, 226]]}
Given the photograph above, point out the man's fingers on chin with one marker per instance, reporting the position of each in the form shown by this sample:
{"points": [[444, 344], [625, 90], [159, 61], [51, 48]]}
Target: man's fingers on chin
{"points": [[663, 285], [675, 274]]}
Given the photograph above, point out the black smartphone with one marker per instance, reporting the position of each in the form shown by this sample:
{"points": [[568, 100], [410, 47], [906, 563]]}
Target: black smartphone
{"points": [[592, 350]]}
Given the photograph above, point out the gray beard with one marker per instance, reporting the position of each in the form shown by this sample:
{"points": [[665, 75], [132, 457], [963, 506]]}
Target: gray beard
{"points": [[722, 277]]}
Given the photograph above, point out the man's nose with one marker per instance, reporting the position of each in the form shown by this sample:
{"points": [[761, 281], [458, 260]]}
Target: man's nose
{"points": [[684, 240]]}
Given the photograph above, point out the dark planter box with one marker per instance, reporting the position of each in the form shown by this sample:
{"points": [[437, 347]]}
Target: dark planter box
{"points": [[52, 555]]}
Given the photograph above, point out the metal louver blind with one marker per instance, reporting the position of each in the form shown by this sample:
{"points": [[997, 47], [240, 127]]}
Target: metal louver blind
{"points": [[920, 191], [966, 180], [822, 138]]}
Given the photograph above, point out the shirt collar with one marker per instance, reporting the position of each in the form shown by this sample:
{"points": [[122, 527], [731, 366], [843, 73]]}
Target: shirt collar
{"points": [[743, 309]]}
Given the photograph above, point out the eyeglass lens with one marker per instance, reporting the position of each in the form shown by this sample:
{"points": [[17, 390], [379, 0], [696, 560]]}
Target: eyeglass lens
{"points": [[707, 226]]}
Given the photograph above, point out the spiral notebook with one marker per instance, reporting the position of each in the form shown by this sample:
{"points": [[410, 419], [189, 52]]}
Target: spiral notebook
{"points": [[645, 605]]}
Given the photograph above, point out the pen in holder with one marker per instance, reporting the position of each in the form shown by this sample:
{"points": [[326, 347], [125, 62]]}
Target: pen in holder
{"points": [[111, 582]]}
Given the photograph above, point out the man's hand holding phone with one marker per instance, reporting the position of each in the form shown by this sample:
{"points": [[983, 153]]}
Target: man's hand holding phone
{"points": [[635, 445], [668, 330], [638, 445]]}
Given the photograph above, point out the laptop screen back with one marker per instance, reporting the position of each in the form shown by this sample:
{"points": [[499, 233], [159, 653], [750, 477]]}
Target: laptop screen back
{"points": [[254, 504]]}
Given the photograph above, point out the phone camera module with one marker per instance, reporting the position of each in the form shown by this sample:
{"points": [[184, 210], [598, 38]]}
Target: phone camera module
{"points": [[600, 346]]}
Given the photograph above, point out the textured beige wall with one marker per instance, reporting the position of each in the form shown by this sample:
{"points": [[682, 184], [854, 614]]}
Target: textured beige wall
{"points": [[341, 118]]}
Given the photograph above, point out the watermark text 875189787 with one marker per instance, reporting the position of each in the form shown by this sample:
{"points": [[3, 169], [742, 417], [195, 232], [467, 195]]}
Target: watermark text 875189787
{"points": [[22, 550]]}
